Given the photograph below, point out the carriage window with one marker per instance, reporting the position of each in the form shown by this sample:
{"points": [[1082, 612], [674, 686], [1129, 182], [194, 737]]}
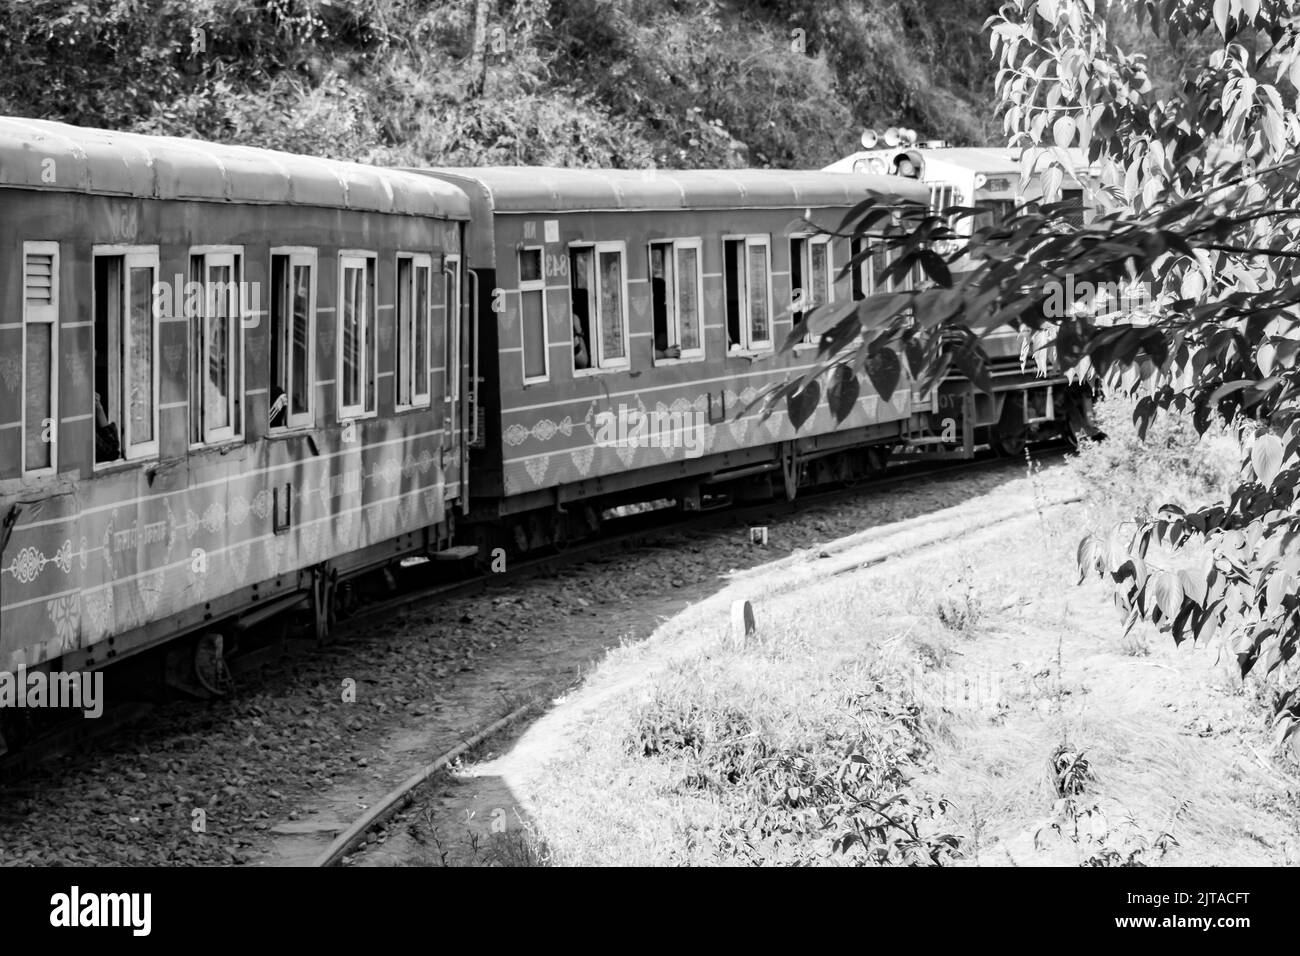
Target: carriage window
{"points": [[532, 312], [125, 401], [451, 334], [748, 279], [598, 296], [293, 334], [414, 302], [356, 335], [40, 357], [675, 297], [216, 347], [810, 276], [863, 278]]}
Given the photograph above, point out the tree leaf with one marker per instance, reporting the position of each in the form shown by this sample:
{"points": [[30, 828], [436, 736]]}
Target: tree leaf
{"points": [[801, 405], [1266, 458], [1166, 592], [1221, 16], [884, 370], [1063, 131], [843, 393], [1194, 585]]}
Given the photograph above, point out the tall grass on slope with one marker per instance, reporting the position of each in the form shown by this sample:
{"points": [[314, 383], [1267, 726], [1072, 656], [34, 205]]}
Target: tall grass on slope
{"points": [[1126, 476]]}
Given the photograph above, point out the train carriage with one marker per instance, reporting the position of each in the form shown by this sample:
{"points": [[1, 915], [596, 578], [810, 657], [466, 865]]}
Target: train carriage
{"points": [[624, 320], [223, 384]]}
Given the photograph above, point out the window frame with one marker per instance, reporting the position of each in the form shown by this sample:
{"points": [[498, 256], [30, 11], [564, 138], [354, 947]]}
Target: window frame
{"points": [[297, 256], [696, 354], [418, 260], [808, 240], [369, 261], [748, 345], [534, 285], [48, 315], [132, 257], [233, 431], [864, 277], [596, 347]]}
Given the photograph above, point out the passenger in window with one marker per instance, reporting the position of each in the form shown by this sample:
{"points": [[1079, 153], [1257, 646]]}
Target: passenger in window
{"points": [[581, 356], [108, 447], [279, 406], [662, 350], [659, 299]]}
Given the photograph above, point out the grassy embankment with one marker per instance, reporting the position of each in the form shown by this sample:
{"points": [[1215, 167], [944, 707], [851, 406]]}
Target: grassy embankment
{"points": [[967, 703]]}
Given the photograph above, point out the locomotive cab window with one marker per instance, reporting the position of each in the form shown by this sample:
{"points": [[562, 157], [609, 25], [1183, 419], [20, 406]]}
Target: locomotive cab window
{"points": [[598, 296], [676, 291], [357, 339], [811, 282], [1073, 198], [217, 346], [882, 280], [293, 337], [747, 272], [532, 314], [40, 369], [125, 399], [414, 310]]}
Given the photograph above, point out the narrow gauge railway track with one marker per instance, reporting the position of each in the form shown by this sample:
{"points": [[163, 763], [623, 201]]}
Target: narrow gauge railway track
{"points": [[625, 534]]}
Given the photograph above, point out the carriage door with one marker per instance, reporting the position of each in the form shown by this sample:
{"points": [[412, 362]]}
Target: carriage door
{"points": [[451, 360]]}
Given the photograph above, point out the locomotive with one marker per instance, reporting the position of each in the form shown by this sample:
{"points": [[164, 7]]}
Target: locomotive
{"points": [[1026, 403], [232, 379]]}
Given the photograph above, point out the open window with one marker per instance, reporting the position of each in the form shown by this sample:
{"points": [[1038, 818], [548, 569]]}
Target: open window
{"points": [[864, 276], [676, 291], [748, 277], [357, 339], [812, 282], [216, 346], [125, 400], [598, 296], [414, 313], [532, 315], [40, 358], [293, 337]]}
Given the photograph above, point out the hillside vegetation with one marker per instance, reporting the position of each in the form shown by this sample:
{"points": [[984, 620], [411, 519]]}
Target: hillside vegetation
{"points": [[629, 83]]}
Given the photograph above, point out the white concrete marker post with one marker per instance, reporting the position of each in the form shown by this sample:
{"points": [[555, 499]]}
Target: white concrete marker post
{"points": [[742, 622]]}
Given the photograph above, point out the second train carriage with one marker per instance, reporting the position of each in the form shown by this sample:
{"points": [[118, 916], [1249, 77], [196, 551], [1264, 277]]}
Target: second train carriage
{"points": [[625, 319], [227, 377]]}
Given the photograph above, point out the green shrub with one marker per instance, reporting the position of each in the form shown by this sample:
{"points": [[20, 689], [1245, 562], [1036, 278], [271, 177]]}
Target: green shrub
{"points": [[806, 792]]}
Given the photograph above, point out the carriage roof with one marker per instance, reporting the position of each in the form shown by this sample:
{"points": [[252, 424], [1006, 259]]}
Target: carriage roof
{"points": [[44, 155], [513, 189]]}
